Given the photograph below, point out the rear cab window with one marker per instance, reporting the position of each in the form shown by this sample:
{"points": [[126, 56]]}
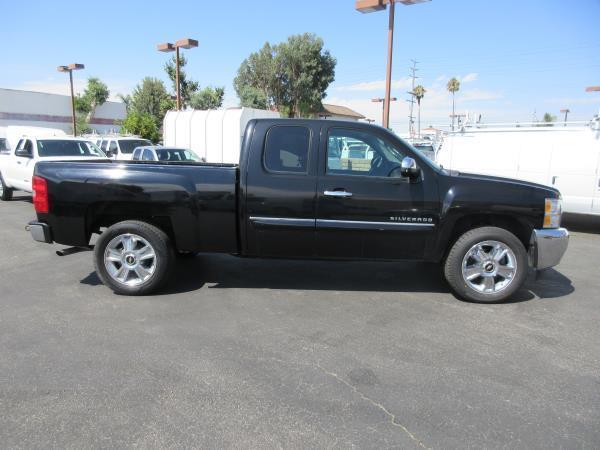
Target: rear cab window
{"points": [[287, 149]]}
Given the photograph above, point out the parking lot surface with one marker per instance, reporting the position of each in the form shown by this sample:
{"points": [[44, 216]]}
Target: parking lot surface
{"points": [[293, 354]]}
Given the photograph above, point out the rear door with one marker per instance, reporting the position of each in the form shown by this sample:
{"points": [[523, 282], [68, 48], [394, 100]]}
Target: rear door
{"points": [[280, 187], [364, 208]]}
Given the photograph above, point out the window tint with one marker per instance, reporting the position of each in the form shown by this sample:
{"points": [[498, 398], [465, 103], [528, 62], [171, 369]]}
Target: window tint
{"points": [[113, 147], [136, 154], [354, 152], [67, 148], [103, 145], [286, 149], [127, 145]]}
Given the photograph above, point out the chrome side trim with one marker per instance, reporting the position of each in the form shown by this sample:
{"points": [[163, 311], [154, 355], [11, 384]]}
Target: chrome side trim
{"points": [[282, 221], [366, 225]]}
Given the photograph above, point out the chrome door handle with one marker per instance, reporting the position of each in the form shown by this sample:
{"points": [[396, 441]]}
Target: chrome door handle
{"points": [[342, 194]]}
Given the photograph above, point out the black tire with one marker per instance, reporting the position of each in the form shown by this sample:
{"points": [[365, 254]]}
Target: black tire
{"points": [[6, 193], [157, 240], [469, 243]]}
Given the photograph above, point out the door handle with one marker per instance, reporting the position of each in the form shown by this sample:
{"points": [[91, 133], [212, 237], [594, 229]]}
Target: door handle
{"points": [[554, 178], [19, 162], [342, 194]]}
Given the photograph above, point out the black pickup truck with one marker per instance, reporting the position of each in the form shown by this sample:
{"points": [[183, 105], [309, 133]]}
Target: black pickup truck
{"points": [[302, 189]]}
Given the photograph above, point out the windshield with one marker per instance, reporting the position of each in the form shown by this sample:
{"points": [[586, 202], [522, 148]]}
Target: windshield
{"points": [[56, 147], [128, 145], [175, 154]]}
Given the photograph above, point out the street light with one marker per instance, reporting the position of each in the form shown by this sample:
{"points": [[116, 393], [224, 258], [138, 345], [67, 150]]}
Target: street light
{"points": [[382, 100], [168, 47], [565, 111], [70, 68], [592, 89], [368, 6]]}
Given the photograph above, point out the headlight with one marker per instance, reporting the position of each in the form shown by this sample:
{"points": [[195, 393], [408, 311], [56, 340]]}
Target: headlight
{"points": [[552, 213]]}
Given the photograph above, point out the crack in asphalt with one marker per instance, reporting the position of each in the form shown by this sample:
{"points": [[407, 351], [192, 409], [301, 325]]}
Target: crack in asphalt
{"points": [[393, 419]]}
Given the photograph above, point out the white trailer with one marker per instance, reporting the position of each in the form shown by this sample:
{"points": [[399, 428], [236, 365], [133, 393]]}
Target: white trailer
{"points": [[214, 135], [565, 156]]}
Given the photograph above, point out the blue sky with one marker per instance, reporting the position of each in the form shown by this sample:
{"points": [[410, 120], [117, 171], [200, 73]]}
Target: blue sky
{"points": [[513, 56]]}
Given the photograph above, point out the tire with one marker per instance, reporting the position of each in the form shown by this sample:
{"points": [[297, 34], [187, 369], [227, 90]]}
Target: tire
{"points": [[486, 265], [133, 258], [6, 193]]}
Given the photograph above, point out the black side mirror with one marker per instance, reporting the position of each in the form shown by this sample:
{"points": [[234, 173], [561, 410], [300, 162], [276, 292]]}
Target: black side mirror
{"points": [[409, 169], [23, 153]]}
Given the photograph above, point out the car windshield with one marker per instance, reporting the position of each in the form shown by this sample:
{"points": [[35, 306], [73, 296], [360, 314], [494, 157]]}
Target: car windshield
{"points": [[56, 147], [128, 145]]}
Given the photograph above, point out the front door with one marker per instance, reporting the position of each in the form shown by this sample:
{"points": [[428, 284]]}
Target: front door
{"points": [[365, 209], [22, 166], [280, 192]]}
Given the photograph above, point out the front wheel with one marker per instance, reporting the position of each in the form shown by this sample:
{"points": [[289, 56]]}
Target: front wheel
{"points": [[486, 265], [6, 193], [133, 258]]}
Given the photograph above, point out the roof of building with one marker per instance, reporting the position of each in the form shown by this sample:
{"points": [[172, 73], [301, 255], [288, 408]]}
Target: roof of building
{"points": [[337, 110]]}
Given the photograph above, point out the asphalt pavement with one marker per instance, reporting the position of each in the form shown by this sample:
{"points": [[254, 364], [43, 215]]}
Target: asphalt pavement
{"points": [[293, 354]]}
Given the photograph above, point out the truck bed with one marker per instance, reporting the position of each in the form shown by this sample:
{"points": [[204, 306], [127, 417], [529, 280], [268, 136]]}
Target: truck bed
{"points": [[196, 201]]}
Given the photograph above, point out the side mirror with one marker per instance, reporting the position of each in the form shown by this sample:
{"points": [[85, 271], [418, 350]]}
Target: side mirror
{"points": [[409, 168], [23, 153]]}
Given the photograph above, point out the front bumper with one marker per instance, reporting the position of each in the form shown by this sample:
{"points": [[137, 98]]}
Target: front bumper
{"points": [[40, 232], [548, 247]]}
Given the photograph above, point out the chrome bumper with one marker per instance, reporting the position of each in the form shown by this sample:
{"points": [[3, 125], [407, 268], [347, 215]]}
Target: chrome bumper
{"points": [[39, 232], [548, 247]]}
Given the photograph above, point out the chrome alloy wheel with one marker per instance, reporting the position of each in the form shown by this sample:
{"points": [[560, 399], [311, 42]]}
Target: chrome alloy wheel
{"points": [[489, 267], [130, 259]]}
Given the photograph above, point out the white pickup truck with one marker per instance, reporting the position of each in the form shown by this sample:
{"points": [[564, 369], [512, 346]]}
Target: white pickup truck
{"points": [[16, 167]]}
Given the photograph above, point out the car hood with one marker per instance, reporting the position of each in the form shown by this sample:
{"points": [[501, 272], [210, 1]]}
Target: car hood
{"points": [[495, 179]]}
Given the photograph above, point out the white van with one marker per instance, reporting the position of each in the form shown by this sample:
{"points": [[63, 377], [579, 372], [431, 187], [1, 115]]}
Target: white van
{"points": [[120, 147], [565, 157]]}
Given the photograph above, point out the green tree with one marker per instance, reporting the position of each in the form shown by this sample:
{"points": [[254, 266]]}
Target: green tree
{"points": [[208, 98], [96, 93], [187, 87], [291, 76], [150, 97], [548, 119], [126, 99], [143, 125], [453, 87], [419, 93]]}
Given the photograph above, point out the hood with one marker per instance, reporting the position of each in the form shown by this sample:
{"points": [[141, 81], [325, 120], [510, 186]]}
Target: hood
{"points": [[495, 179]]}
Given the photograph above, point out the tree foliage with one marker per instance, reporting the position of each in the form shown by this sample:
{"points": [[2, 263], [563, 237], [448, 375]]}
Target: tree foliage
{"points": [[150, 97], [207, 98], [291, 76], [419, 93], [141, 124], [95, 94], [548, 119], [188, 87], [453, 85]]}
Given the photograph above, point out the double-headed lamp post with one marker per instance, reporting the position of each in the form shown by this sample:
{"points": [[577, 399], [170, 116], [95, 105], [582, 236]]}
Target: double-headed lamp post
{"points": [[383, 100], [168, 47], [70, 68], [368, 6]]}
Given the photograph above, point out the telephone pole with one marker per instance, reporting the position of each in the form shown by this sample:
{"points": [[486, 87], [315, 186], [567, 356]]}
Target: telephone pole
{"points": [[411, 117]]}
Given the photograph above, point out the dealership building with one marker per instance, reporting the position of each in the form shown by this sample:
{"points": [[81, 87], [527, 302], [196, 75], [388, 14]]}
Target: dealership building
{"points": [[25, 112]]}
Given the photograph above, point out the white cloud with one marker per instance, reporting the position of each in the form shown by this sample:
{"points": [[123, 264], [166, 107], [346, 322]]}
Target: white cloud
{"points": [[469, 77], [591, 100], [477, 95], [379, 85]]}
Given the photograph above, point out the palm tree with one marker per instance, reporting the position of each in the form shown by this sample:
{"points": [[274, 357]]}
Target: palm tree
{"points": [[419, 93], [453, 86]]}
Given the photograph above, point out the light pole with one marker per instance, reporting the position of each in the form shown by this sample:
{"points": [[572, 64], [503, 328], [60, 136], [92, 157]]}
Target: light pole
{"points": [[383, 100], [368, 6], [566, 112], [70, 68], [168, 47]]}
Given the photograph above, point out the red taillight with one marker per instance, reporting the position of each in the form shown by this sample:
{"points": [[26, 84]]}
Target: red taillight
{"points": [[41, 202]]}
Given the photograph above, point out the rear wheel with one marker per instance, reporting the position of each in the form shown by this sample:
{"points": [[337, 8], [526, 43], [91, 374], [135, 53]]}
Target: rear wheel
{"points": [[6, 193], [486, 264], [133, 258]]}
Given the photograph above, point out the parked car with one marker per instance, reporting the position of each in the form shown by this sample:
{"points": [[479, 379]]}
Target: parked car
{"points": [[16, 167], [122, 147], [4, 145], [167, 154], [287, 199]]}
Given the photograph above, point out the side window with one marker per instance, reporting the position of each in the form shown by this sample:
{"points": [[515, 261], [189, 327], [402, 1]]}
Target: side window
{"points": [[286, 149], [20, 144], [136, 154], [147, 155], [103, 145], [113, 147], [355, 152]]}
